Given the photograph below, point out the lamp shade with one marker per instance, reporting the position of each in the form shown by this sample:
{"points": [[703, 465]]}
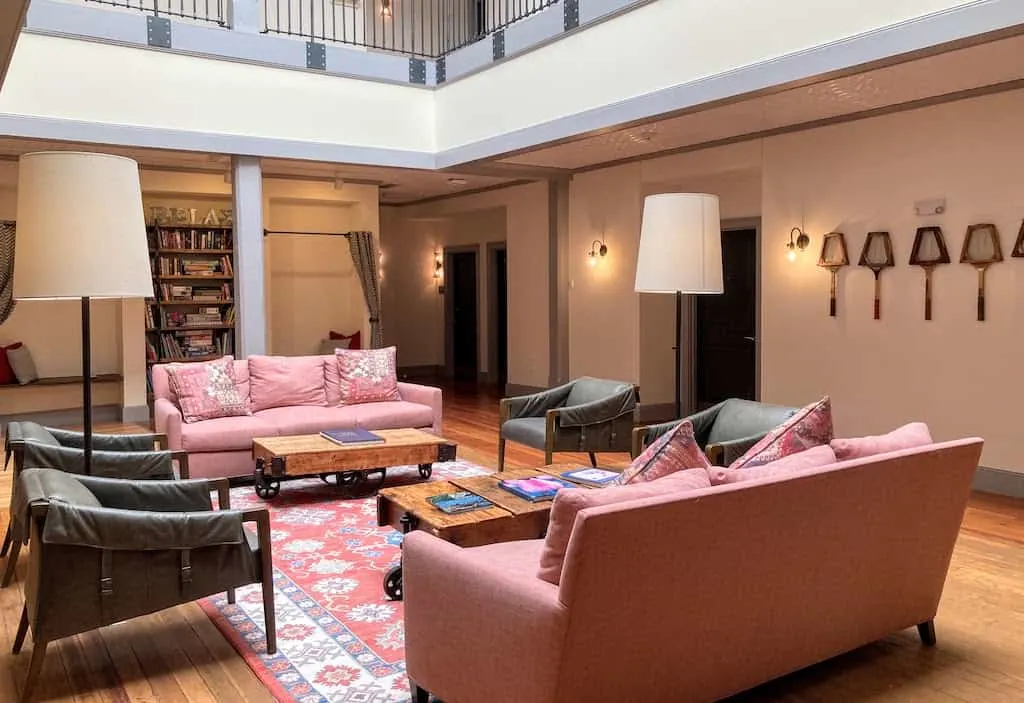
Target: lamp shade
{"points": [[680, 244], [81, 231]]}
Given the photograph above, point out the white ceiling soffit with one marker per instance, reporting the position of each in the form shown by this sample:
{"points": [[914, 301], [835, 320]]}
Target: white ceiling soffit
{"points": [[992, 64]]}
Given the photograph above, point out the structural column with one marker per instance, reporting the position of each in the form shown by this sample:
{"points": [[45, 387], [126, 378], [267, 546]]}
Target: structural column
{"points": [[250, 291], [244, 16], [558, 279], [134, 403]]}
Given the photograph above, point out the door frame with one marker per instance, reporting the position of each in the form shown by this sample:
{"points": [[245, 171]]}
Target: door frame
{"points": [[690, 311], [449, 306], [492, 312]]}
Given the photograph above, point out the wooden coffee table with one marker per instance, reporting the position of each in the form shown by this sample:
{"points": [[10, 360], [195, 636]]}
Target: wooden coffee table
{"points": [[511, 518], [301, 456]]}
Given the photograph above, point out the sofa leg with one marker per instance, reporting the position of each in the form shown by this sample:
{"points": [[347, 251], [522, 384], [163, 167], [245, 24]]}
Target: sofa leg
{"points": [[419, 694], [593, 459], [927, 632], [12, 563], [501, 454]]}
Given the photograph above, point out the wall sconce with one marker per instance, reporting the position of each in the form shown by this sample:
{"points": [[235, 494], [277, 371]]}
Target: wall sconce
{"points": [[801, 242], [385, 8], [439, 270], [597, 248]]}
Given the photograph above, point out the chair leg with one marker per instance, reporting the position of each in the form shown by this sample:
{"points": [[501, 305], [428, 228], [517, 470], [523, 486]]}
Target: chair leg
{"points": [[926, 630], [593, 459], [19, 638], [548, 457], [34, 668], [501, 454], [419, 694], [7, 542], [231, 596], [12, 563], [269, 615]]}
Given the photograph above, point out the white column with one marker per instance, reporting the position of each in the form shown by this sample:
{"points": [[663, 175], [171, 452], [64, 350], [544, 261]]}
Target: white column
{"points": [[250, 293], [134, 402], [244, 16]]}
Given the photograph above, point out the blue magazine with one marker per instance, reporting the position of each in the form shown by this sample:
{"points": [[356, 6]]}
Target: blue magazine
{"points": [[353, 436]]}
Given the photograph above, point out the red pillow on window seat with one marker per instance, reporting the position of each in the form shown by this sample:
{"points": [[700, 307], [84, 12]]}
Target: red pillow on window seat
{"points": [[6, 372], [355, 341]]}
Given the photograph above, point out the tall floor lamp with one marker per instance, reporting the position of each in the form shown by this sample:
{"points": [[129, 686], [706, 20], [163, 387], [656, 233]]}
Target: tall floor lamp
{"points": [[81, 234], [680, 252]]}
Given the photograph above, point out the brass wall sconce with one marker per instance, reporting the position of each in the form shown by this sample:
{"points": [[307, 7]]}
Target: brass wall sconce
{"points": [[597, 249], [439, 270], [385, 8], [801, 242]]}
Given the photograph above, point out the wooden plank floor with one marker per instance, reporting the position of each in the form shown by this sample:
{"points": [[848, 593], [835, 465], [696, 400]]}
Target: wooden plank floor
{"points": [[178, 655]]}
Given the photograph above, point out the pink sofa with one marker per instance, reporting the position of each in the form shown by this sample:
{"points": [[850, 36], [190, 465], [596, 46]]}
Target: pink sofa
{"points": [[694, 596], [223, 447]]}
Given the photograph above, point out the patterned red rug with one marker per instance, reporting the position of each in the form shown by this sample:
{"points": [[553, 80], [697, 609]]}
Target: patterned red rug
{"points": [[340, 639]]}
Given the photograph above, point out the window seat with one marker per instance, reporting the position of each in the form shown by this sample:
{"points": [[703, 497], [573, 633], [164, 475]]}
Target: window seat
{"points": [[58, 393]]}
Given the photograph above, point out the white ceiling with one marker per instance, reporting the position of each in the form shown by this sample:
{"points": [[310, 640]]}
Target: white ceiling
{"points": [[987, 64]]}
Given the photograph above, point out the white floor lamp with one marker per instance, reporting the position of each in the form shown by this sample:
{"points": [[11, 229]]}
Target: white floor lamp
{"points": [[680, 252], [81, 234]]}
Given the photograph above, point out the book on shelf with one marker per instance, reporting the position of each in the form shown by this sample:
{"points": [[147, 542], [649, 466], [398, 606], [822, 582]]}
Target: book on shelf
{"points": [[188, 238], [591, 477], [459, 502], [535, 489], [356, 435]]}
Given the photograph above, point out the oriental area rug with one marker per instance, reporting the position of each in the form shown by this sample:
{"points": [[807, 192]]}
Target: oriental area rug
{"points": [[339, 638]]}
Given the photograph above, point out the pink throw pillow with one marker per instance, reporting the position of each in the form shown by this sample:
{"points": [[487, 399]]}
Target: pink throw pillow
{"points": [[674, 451], [367, 375], [207, 391], [570, 501], [812, 458], [808, 427], [286, 381], [914, 434]]}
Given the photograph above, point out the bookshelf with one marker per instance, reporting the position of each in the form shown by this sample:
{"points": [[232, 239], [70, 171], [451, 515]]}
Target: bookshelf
{"points": [[193, 316]]}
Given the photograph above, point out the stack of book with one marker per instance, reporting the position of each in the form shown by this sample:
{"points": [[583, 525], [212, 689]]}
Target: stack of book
{"points": [[459, 502], [535, 489], [592, 477]]}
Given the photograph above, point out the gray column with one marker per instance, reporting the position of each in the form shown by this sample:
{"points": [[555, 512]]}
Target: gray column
{"points": [[250, 292], [558, 279], [244, 16]]}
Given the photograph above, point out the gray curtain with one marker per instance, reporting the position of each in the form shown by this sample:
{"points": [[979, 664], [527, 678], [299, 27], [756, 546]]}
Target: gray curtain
{"points": [[6, 270], [364, 255]]}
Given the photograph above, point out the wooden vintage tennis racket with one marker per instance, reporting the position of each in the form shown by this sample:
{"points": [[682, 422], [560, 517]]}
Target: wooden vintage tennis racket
{"points": [[929, 251], [877, 256], [833, 257], [981, 249]]}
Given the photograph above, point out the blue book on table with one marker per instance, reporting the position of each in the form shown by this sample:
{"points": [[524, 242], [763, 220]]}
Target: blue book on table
{"points": [[354, 436]]}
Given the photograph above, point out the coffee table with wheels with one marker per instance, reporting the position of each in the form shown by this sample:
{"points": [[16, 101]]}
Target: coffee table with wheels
{"points": [[511, 518], [301, 456]]}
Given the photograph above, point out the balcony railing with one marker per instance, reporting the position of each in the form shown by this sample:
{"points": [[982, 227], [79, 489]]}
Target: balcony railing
{"points": [[213, 11], [425, 28]]}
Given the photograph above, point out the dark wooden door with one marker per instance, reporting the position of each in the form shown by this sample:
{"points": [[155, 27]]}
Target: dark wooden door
{"points": [[725, 345], [462, 289], [501, 299]]}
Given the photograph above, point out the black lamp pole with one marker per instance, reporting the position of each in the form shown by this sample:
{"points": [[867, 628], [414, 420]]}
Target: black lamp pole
{"points": [[87, 385], [679, 355]]}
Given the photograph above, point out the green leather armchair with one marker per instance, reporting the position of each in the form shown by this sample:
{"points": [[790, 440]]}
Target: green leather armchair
{"points": [[108, 550], [725, 430], [586, 415], [130, 456]]}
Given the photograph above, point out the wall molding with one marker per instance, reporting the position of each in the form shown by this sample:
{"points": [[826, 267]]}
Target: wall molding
{"points": [[999, 481]]}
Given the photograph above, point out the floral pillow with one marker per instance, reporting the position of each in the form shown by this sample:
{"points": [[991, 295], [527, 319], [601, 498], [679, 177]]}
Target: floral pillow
{"points": [[207, 391], [367, 375], [808, 427], [675, 450]]}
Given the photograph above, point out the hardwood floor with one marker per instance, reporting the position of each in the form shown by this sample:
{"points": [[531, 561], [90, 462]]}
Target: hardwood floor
{"points": [[178, 655]]}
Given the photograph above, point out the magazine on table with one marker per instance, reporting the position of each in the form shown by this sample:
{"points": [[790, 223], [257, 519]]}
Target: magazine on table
{"points": [[459, 502], [592, 477], [535, 489], [355, 435]]}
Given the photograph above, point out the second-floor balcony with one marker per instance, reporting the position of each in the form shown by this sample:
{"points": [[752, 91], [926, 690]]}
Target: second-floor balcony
{"points": [[419, 28]]}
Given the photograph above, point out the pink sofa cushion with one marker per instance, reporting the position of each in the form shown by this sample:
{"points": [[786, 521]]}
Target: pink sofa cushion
{"points": [[367, 375], [332, 380], [808, 427], [520, 557], [281, 381], [206, 391], [308, 419], [674, 451], [569, 502], [392, 415], [225, 434], [914, 434], [814, 457]]}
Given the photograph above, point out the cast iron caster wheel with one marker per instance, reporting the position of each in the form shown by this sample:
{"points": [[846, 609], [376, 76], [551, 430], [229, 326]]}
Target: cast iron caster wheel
{"points": [[267, 490], [393, 583], [426, 470], [349, 478]]}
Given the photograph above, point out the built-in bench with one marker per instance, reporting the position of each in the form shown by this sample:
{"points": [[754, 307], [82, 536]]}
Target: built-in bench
{"points": [[56, 394]]}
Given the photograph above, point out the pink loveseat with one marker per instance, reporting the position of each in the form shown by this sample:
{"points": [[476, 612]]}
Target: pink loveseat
{"points": [[223, 446], [694, 596]]}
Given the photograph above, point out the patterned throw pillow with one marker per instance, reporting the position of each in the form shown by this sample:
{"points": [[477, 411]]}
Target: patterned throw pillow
{"points": [[674, 451], [808, 427], [367, 375], [207, 391]]}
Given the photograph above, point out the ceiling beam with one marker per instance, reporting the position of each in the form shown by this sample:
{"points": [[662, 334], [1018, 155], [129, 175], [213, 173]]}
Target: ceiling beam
{"points": [[12, 19]]}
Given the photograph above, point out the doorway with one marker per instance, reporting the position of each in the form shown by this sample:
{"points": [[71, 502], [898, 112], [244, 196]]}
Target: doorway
{"points": [[497, 314], [460, 304], [725, 326]]}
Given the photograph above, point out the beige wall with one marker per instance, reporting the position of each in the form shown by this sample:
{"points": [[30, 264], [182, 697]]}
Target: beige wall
{"points": [[414, 315]]}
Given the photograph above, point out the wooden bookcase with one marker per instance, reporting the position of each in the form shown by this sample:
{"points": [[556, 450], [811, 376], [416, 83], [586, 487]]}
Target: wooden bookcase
{"points": [[193, 316]]}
